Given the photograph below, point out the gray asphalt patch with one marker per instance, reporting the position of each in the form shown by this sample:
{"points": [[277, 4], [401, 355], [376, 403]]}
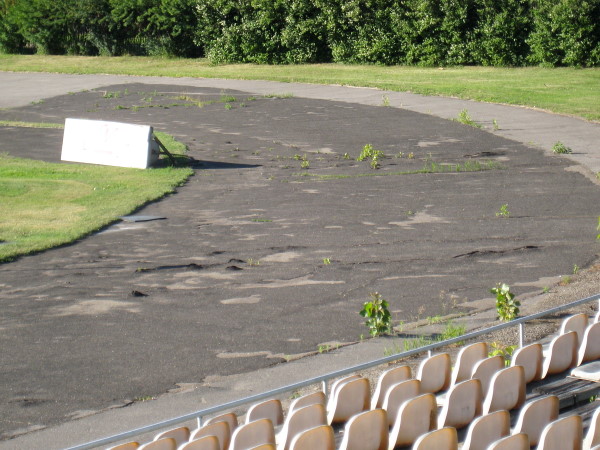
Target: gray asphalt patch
{"points": [[75, 338]]}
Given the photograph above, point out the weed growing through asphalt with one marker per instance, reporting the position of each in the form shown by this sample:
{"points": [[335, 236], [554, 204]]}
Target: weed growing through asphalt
{"points": [[575, 269], [253, 262], [228, 106], [326, 261], [495, 125], [432, 320], [561, 149], [346, 156], [305, 164], [452, 331], [284, 95], [385, 101], [598, 228], [499, 349], [379, 319], [109, 94], [369, 152], [503, 212], [465, 118], [259, 219], [506, 305]]}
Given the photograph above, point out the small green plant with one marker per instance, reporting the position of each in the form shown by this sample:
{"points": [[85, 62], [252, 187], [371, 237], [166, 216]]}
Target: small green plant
{"points": [[561, 148], [598, 228], [228, 106], [258, 219], [546, 290], [253, 262], [452, 331], [392, 350], [503, 212], [506, 305], [495, 125], [369, 152], [565, 280], [575, 269], [465, 118], [506, 351], [346, 156], [385, 101], [379, 319], [305, 164], [110, 94], [326, 261], [433, 320], [143, 398], [323, 348]]}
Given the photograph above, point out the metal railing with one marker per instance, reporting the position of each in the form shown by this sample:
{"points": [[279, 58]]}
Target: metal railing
{"points": [[198, 415]]}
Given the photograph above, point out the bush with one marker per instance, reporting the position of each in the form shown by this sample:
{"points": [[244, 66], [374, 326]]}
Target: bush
{"points": [[566, 32]]}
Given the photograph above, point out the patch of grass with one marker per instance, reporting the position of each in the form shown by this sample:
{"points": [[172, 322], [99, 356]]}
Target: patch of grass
{"points": [[261, 220], [18, 124], [564, 90], [44, 205], [284, 95], [429, 167]]}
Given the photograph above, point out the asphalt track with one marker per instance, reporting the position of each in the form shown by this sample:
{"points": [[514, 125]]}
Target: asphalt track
{"points": [[233, 279]]}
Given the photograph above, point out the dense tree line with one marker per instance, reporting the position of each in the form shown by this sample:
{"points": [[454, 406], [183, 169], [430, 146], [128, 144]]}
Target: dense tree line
{"points": [[426, 32]]}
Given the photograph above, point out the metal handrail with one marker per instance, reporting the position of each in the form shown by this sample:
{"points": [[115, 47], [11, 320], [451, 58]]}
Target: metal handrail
{"points": [[197, 415]]}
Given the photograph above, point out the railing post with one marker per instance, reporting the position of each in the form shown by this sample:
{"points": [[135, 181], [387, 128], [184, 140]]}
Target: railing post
{"points": [[521, 335], [324, 387], [199, 420]]}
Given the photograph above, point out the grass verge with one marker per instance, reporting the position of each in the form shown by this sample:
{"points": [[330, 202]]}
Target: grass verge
{"points": [[44, 205], [570, 91]]}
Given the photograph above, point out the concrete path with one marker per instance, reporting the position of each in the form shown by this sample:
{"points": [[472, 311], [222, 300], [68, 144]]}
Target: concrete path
{"points": [[520, 124]]}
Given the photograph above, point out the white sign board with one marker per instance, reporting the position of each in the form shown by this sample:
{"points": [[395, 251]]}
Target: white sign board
{"points": [[109, 143]]}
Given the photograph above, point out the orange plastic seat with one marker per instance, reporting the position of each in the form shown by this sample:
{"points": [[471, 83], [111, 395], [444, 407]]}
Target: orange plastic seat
{"points": [[220, 430], [386, 380], [562, 434], [366, 431], [350, 398], [318, 438], [487, 429], [435, 373], [507, 390], [443, 439], [531, 358], [535, 415], [204, 443], [463, 403], [416, 417], [269, 409], [180, 434], [252, 434], [397, 395]]}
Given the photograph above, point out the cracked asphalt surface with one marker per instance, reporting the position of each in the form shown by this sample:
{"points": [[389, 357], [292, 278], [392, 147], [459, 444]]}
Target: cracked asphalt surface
{"points": [[234, 279]]}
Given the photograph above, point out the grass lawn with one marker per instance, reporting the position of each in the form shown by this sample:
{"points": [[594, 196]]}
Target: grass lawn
{"points": [[44, 205], [569, 91]]}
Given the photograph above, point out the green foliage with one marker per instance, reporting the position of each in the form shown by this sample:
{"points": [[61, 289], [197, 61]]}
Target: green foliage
{"points": [[598, 229], [391, 32], [503, 212], [561, 148], [565, 33], [506, 305], [465, 118], [379, 319], [369, 152], [499, 349]]}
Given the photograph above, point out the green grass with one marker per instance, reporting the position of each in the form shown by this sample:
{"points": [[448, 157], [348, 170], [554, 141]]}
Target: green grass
{"points": [[15, 123], [44, 205], [428, 167], [563, 90]]}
